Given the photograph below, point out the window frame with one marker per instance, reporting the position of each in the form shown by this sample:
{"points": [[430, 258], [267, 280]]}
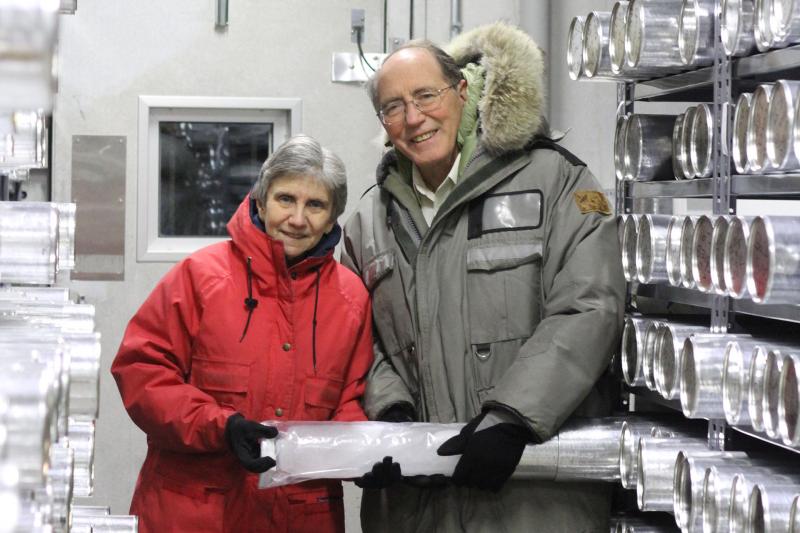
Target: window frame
{"points": [[284, 113]]}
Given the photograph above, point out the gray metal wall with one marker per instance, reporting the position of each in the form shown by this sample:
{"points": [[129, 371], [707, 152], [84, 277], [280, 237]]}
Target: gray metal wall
{"points": [[112, 51]]}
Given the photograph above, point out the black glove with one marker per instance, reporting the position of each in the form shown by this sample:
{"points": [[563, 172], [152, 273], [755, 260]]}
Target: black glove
{"points": [[489, 455], [244, 439], [383, 474], [399, 412]]}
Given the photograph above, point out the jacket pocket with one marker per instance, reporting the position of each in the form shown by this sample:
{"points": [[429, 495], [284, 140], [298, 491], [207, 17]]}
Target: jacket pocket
{"points": [[226, 381], [316, 510], [390, 312], [321, 397]]}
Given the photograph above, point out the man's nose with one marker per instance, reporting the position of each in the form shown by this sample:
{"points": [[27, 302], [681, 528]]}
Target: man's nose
{"points": [[413, 115]]}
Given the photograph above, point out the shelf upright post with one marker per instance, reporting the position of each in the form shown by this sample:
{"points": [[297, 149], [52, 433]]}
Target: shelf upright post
{"points": [[622, 200], [722, 204]]}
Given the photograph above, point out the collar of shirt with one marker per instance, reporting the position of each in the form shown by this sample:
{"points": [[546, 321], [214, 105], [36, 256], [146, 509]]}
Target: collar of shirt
{"points": [[429, 200]]}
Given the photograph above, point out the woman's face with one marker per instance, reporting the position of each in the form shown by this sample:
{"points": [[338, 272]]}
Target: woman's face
{"points": [[297, 212]]}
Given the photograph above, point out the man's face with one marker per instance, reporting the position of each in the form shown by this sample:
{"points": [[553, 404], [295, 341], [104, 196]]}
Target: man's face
{"points": [[427, 139]]}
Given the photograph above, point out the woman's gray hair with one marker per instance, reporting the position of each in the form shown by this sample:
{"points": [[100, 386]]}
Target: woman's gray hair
{"points": [[303, 155], [450, 69]]}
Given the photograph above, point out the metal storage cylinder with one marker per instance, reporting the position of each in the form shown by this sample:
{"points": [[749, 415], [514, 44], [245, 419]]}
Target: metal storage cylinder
{"points": [[651, 36], [736, 256], [629, 238], [770, 504], [718, 234], [596, 61], [789, 404], [794, 515], [771, 396], [757, 129], [656, 469], [28, 242], [669, 345], [781, 126], [736, 380], [702, 361], [632, 349], [575, 48], [678, 155], [737, 27], [651, 248], [685, 159], [674, 251], [701, 253], [619, 146], [755, 389], [81, 440], [689, 476], [786, 21], [740, 119], [632, 430], [696, 32], [762, 25], [616, 39], [687, 238], [650, 348], [648, 147], [702, 142], [773, 260]]}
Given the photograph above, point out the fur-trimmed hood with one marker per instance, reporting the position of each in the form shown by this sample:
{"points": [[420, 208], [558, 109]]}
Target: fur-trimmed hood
{"points": [[512, 103]]}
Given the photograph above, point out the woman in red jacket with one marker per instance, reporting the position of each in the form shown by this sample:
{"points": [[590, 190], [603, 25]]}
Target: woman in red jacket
{"points": [[264, 326]]}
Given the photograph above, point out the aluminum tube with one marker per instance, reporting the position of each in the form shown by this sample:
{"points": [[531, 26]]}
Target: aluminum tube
{"points": [[647, 523], [740, 118], [717, 491], [687, 237], [648, 147], [756, 384], [575, 48], [688, 482], [57, 492], [762, 25], [616, 39], [669, 345], [757, 128], [781, 126], [673, 255], [28, 36], [689, 172], [633, 429], [632, 349], [772, 398], [81, 440], [717, 266], [794, 515], [770, 505], [651, 248], [736, 380], [678, 154], [789, 405], [735, 262], [696, 32], [28, 242], [742, 489], [66, 236], [702, 141], [629, 238], [656, 469], [596, 61], [773, 260], [701, 253], [651, 37], [108, 523], [650, 349], [786, 21], [702, 360], [737, 27], [619, 146], [84, 373]]}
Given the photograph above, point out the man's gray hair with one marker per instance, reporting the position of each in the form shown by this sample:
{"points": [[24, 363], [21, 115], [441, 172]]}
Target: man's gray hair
{"points": [[302, 155], [450, 69]]}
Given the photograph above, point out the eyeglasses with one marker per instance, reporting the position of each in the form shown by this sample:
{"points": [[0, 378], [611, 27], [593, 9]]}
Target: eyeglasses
{"points": [[425, 101]]}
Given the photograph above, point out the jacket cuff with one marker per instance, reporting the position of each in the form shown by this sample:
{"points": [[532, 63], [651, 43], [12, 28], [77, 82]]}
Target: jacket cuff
{"points": [[510, 415]]}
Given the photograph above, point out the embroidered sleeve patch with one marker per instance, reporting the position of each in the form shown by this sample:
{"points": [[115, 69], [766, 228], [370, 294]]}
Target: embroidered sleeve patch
{"points": [[592, 202]]}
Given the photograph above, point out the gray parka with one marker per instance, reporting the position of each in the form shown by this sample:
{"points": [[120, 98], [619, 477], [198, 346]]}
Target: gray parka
{"points": [[511, 299]]}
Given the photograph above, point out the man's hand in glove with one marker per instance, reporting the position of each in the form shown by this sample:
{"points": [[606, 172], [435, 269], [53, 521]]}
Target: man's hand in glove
{"points": [[244, 439], [383, 474], [491, 445]]}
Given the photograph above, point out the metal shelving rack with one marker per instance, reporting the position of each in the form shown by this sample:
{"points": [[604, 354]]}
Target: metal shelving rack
{"points": [[717, 84]]}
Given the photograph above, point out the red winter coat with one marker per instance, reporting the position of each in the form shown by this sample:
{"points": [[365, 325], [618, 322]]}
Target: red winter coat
{"points": [[189, 359]]}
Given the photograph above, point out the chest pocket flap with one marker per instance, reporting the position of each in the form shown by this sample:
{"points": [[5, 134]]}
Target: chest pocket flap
{"points": [[222, 376]]}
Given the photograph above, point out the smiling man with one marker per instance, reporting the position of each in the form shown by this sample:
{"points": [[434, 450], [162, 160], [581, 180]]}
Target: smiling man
{"points": [[492, 261]]}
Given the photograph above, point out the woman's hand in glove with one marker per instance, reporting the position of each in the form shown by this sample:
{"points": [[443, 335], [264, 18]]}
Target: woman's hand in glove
{"points": [[244, 439]]}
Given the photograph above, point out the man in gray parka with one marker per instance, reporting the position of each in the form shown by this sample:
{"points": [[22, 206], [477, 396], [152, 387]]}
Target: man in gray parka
{"points": [[492, 259]]}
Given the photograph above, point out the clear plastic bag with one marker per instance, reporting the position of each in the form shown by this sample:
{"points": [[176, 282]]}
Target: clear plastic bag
{"points": [[346, 450]]}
